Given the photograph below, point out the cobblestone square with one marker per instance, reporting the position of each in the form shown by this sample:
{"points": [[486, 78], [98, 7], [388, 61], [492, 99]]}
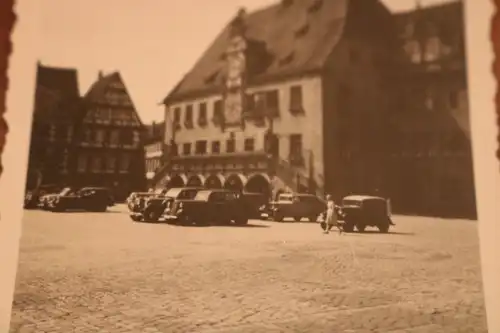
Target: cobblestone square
{"points": [[100, 272]]}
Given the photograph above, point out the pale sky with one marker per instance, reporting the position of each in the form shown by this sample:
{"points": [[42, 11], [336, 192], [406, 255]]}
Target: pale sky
{"points": [[152, 43]]}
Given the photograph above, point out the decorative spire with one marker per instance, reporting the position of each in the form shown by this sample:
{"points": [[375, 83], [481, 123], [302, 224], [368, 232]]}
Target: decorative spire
{"points": [[238, 25]]}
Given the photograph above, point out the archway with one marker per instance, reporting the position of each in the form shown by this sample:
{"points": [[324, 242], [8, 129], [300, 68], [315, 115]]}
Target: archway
{"points": [[259, 183], [177, 181], [195, 181], [235, 182], [214, 182]]}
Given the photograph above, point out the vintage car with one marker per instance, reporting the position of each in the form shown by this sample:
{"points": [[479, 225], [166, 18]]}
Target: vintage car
{"points": [[297, 206], [96, 199], [33, 197], [210, 207], [44, 200], [154, 206], [135, 201], [363, 211], [254, 203]]}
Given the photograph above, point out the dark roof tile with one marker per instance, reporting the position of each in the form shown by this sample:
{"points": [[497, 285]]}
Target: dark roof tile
{"points": [[271, 33]]}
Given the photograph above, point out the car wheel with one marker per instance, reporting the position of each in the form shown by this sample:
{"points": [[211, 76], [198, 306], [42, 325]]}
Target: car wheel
{"points": [[297, 218], [313, 218], [134, 218], [277, 217], [241, 221], [361, 227], [151, 216], [383, 228], [348, 226]]}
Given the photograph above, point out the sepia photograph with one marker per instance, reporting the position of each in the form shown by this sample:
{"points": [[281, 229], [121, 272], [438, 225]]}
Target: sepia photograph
{"points": [[250, 166]]}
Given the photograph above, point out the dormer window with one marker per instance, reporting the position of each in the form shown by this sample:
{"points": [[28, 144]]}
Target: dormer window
{"points": [[432, 49], [302, 30], [212, 77], [316, 6], [288, 59], [414, 51]]}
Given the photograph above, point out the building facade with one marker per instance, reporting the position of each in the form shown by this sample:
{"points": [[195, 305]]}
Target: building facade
{"points": [[332, 96], [57, 112], [154, 147], [94, 140], [256, 113], [431, 165], [110, 151]]}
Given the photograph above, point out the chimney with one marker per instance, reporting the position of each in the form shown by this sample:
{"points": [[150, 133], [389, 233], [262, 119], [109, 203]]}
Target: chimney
{"points": [[100, 75], [238, 23]]}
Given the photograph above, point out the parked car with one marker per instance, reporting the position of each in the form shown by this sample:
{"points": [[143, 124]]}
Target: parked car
{"points": [[210, 206], [156, 205], [363, 211], [88, 198], [33, 197], [297, 206], [45, 200], [135, 201], [254, 203]]}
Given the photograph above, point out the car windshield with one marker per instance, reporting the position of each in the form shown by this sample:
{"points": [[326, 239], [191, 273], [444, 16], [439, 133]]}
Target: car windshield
{"points": [[187, 194], [355, 203], [65, 191], [202, 195], [285, 197]]}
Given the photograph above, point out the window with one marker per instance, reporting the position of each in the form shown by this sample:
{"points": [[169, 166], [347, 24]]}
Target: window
{"points": [[296, 99], [249, 144], [99, 136], [186, 149], [111, 163], [136, 136], [296, 149], [215, 147], [125, 163], [126, 137], [177, 115], [230, 146], [96, 164], [201, 147], [188, 120], [414, 51], [432, 49], [114, 137], [453, 100], [272, 99], [82, 163], [202, 115], [218, 112]]}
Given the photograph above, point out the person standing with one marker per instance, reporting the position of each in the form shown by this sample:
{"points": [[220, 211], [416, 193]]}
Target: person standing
{"points": [[331, 215]]}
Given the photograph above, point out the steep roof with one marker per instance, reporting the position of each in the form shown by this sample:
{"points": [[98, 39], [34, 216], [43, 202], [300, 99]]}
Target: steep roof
{"points": [[288, 38], [63, 81], [57, 95], [98, 88]]}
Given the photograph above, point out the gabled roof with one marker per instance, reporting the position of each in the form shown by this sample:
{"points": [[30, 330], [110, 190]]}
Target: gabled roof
{"points": [[98, 88], [287, 39]]}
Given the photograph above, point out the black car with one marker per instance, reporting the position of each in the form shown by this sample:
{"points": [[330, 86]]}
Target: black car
{"points": [[363, 211], [155, 206], [210, 206], [96, 199]]}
